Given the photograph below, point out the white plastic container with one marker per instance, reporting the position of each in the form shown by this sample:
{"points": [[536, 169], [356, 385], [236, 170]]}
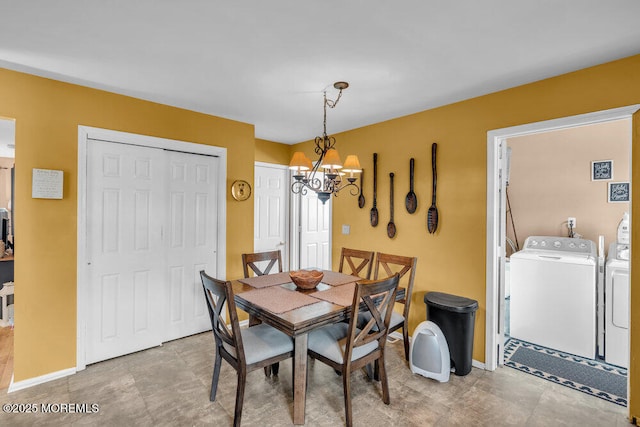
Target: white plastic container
{"points": [[429, 354], [623, 230]]}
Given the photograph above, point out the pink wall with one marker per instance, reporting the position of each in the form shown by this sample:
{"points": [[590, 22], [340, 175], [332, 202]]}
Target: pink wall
{"points": [[550, 180]]}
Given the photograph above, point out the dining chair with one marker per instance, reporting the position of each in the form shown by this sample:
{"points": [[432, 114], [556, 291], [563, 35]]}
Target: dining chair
{"points": [[256, 262], [363, 259], [346, 348], [249, 262], [244, 349], [388, 265]]}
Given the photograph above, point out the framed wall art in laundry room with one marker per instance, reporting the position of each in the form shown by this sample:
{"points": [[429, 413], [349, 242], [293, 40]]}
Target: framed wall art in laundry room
{"points": [[602, 170]]}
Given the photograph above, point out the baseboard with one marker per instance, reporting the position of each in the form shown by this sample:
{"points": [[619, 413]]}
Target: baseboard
{"points": [[394, 336], [477, 364], [21, 385]]}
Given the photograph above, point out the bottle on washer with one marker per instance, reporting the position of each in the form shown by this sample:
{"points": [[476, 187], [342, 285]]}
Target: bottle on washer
{"points": [[623, 238]]}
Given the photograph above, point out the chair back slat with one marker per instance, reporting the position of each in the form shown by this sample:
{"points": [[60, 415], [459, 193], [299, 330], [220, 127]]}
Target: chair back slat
{"points": [[378, 298], [217, 293], [388, 265], [249, 261], [359, 262]]}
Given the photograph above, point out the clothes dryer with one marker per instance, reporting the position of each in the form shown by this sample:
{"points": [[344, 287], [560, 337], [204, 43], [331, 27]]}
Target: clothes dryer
{"points": [[553, 294], [617, 309]]}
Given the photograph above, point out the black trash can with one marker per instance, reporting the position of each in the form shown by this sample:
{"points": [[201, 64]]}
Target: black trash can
{"points": [[455, 316]]}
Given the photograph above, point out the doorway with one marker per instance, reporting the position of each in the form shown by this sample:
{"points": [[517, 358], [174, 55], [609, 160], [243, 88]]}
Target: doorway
{"points": [[496, 216], [171, 175], [7, 160], [271, 210], [297, 224]]}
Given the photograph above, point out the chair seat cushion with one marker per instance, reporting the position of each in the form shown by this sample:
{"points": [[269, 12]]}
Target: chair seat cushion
{"points": [[262, 342], [396, 320], [330, 341]]}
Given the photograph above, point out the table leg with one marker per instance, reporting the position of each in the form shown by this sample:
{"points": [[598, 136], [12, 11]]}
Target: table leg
{"points": [[299, 378]]}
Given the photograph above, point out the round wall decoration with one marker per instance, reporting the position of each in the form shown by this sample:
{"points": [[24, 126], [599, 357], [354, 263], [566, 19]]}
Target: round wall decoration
{"points": [[240, 190]]}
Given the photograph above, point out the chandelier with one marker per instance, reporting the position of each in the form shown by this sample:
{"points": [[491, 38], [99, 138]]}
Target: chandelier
{"points": [[325, 177]]}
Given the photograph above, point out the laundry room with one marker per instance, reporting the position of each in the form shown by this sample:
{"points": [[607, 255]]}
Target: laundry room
{"points": [[568, 243]]}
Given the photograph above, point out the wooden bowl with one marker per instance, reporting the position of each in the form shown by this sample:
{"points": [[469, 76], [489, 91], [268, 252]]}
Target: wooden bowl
{"points": [[306, 279]]}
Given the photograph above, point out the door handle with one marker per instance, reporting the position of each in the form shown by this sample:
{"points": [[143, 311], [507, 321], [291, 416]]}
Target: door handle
{"points": [[280, 244]]}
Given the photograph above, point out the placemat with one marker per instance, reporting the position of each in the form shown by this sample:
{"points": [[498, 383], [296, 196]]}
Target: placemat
{"points": [[277, 299], [340, 295], [267, 280], [336, 279]]}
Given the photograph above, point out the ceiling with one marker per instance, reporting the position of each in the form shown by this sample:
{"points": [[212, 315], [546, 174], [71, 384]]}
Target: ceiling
{"points": [[268, 62]]}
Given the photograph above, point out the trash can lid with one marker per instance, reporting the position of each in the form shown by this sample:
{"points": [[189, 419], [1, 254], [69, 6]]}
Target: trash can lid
{"points": [[451, 302]]}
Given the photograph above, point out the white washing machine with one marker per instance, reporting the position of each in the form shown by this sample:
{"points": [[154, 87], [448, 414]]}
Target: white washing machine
{"points": [[553, 294], [616, 304]]}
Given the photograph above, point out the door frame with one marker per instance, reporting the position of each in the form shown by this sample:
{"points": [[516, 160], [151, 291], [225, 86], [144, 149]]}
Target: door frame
{"points": [[496, 164], [85, 133]]}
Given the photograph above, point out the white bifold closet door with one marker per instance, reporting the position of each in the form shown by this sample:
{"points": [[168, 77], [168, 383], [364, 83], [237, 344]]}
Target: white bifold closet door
{"points": [[151, 227], [191, 240]]}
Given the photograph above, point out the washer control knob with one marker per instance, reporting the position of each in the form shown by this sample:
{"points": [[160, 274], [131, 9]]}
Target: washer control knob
{"points": [[557, 244]]}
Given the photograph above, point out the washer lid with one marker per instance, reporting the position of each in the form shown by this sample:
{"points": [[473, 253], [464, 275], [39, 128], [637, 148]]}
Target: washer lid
{"points": [[450, 302]]}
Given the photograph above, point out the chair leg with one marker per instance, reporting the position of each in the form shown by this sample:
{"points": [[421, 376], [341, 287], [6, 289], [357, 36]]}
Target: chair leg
{"points": [[242, 380], [405, 336], [383, 379], [267, 371], [216, 376], [275, 368], [346, 383]]}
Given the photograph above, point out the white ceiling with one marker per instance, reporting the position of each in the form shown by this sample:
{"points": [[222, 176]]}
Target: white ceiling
{"points": [[267, 62]]}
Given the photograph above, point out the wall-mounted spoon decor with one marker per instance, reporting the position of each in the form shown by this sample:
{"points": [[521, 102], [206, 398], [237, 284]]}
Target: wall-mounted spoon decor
{"points": [[411, 201], [432, 213], [391, 227], [361, 196], [374, 209]]}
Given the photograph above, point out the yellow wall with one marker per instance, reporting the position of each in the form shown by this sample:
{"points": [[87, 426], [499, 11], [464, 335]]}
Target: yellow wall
{"points": [[273, 152], [453, 259], [47, 116]]}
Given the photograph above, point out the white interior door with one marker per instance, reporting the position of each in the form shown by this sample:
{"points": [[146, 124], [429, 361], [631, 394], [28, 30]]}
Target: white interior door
{"points": [[315, 232], [125, 215], [191, 240], [271, 218]]}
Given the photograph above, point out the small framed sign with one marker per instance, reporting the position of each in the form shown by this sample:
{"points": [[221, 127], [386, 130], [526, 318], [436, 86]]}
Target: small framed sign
{"points": [[602, 170], [618, 192], [46, 184]]}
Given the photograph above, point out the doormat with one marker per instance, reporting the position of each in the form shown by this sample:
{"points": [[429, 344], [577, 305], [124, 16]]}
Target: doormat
{"points": [[592, 377]]}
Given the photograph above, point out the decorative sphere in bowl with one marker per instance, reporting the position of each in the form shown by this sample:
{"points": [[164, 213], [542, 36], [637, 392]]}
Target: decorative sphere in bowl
{"points": [[306, 279]]}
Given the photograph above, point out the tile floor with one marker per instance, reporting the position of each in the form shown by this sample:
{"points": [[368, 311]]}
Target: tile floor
{"points": [[169, 386]]}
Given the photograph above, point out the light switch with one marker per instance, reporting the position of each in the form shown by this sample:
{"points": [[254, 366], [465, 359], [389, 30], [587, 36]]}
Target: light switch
{"points": [[346, 228]]}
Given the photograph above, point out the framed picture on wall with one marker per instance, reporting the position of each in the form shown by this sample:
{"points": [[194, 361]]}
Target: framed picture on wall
{"points": [[602, 170], [618, 192]]}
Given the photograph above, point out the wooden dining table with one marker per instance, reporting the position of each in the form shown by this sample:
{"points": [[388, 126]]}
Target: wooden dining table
{"points": [[276, 301]]}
